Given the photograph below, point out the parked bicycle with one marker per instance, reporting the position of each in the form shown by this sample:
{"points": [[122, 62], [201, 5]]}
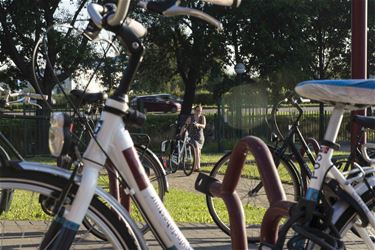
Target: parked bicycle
{"points": [[294, 169], [73, 195], [7, 149], [181, 155], [92, 104], [291, 166]]}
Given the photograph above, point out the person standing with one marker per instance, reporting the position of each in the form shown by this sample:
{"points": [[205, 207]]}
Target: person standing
{"points": [[195, 125]]}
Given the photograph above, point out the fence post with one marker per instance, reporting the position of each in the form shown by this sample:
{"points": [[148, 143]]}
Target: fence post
{"points": [[220, 117], [321, 121]]}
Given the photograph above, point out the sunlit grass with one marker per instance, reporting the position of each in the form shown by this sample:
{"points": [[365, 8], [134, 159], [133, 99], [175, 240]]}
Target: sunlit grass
{"points": [[185, 206]]}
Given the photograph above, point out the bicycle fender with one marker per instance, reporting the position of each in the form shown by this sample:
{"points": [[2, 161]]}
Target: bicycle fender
{"points": [[341, 206], [161, 168], [334, 186], [53, 170]]}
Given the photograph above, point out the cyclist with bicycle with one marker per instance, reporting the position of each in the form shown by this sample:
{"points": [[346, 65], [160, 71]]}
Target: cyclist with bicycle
{"points": [[195, 124]]}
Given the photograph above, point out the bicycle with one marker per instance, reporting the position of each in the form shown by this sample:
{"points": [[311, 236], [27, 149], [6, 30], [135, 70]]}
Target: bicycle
{"points": [[151, 163], [7, 150], [93, 104], [74, 194], [335, 201], [182, 154], [294, 179], [250, 187]]}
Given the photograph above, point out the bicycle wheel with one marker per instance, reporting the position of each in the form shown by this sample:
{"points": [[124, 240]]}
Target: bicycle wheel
{"points": [[28, 218], [157, 178], [188, 159], [154, 169], [349, 217], [251, 193], [173, 160], [5, 194]]}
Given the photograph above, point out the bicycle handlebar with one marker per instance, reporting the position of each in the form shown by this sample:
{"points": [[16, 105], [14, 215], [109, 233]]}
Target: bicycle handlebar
{"points": [[113, 16], [289, 98], [365, 154], [171, 8], [24, 97]]}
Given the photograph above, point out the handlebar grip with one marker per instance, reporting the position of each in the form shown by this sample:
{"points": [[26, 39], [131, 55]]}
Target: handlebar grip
{"points": [[159, 7], [176, 10], [37, 96], [233, 3], [171, 8], [135, 117], [114, 15]]}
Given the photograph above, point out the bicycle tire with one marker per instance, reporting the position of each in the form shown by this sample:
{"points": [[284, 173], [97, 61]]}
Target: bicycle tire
{"points": [[290, 182], [344, 222], [5, 194], [157, 178], [173, 165], [188, 161], [41, 184], [154, 169]]}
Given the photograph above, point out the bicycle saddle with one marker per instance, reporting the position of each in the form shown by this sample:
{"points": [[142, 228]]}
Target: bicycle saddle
{"points": [[89, 98], [365, 121], [351, 92]]}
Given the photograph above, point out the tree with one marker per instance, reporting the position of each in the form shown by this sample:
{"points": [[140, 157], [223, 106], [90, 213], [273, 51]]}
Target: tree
{"points": [[371, 38], [286, 41], [184, 47], [21, 25], [328, 38]]}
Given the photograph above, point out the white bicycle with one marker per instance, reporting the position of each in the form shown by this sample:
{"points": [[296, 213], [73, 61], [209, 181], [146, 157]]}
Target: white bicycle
{"points": [[182, 154], [71, 196], [336, 203]]}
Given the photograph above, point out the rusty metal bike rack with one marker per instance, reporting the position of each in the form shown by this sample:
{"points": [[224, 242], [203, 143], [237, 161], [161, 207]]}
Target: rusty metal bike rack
{"points": [[279, 207]]}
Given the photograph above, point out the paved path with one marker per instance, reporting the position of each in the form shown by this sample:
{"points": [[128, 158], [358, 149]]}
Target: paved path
{"points": [[207, 236], [200, 236]]}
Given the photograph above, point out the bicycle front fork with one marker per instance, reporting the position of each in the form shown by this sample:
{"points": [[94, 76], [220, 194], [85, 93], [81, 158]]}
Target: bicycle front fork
{"points": [[64, 227]]}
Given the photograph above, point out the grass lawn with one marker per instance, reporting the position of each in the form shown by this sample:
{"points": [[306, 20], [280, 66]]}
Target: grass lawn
{"points": [[184, 206]]}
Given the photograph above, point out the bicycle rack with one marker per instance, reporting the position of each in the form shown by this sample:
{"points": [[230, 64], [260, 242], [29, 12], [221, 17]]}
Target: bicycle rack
{"points": [[279, 207]]}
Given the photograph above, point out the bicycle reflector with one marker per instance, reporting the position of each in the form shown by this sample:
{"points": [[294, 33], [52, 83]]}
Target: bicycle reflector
{"points": [[59, 137]]}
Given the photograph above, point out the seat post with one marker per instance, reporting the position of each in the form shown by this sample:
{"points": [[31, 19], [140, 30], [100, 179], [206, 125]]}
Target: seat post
{"points": [[334, 124]]}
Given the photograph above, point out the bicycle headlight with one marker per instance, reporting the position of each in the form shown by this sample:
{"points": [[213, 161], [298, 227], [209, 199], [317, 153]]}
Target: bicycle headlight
{"points": [[59, 135]]}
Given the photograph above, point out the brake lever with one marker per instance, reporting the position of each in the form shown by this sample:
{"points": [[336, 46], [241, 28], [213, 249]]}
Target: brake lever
{"points": [[172, 8], [176, 10], [21, 100], [25, 99]]}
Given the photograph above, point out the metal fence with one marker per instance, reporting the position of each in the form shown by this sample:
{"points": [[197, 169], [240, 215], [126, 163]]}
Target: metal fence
{"points": [[235, 123], [28, 131]]}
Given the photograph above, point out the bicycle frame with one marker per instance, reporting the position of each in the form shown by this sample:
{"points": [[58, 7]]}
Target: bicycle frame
{"points": [[288, 143], [111, 140], [323, 166], [182, 148]]}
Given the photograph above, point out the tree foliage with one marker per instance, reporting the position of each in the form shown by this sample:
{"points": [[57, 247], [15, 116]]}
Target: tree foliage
{"points": [[22, 23], [281, 43]]}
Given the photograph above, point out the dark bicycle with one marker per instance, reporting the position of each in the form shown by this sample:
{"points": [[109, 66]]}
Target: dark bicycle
{"points": [[287, 156]]}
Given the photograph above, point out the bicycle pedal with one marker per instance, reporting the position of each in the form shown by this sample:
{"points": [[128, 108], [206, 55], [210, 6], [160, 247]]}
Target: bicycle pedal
{"points": [[203, 183]]}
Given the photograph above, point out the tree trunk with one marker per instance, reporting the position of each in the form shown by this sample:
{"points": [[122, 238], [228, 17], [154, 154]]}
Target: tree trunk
{"points": [[188, 100]]}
